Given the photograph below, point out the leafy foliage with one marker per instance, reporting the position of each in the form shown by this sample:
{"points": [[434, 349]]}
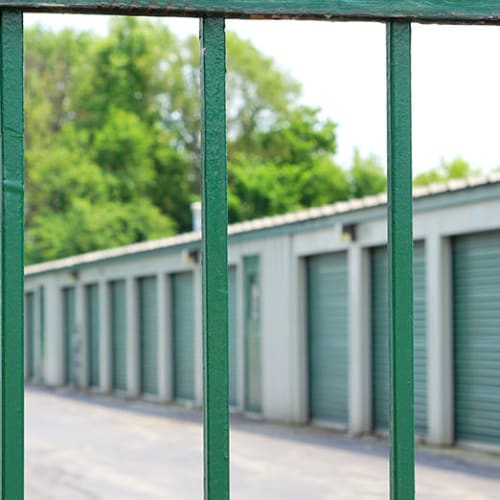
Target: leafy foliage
{"points": [[83, 226], [259, 189], [455, 169], [367, 176], [113, 139]]}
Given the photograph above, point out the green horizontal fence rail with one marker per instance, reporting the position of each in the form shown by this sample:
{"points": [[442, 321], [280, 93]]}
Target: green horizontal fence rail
{"points": [[444, 11], [398, 14]]}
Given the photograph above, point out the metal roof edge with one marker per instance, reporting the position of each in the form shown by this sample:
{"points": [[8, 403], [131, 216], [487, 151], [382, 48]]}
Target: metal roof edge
{"points": [[300, 219]]}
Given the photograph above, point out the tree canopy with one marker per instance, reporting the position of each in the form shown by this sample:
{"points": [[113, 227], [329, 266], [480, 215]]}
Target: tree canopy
{"points": [[458, 168], [113, 138], [367, 176]]}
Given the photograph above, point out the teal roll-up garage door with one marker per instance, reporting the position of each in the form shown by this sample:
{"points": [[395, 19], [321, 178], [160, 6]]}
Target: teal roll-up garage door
{"points": [[30, 334], [476, 320], [69, 321], [42, 331], [118, 335], [253, 375], [380, 338], [148, 331], [183, 335], [233, 351], [92, 302], [327, 284], [420, 338]]}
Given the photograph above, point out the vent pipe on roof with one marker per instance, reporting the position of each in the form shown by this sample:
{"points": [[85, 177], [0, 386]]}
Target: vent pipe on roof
{"points": [[196, 216]]}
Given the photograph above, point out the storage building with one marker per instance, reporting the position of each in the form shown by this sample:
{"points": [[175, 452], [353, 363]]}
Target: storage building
{"points": [[308, 316]]}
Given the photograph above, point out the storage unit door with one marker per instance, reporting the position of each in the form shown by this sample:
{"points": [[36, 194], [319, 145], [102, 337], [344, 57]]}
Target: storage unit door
{"points": [[327, 283], [30, 334], [119, 335], [69, 334], [380, 338], [476, 319], [420, 339], [42, 331], [233, 351], [92, 300], [148, 329], [253, 376], [183, 335]]}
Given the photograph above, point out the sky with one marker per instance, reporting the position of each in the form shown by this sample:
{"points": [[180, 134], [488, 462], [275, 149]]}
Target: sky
{"points": [[341, 66]]}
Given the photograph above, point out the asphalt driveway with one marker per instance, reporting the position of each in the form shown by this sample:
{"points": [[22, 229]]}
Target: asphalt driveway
{"points": [[95, 447]]}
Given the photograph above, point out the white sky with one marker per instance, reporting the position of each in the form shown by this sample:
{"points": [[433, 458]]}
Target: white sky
{"points": [[456, 81]]}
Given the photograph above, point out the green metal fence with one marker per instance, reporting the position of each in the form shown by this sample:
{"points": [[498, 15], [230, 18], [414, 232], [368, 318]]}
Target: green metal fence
{"points": [[397, 14]]}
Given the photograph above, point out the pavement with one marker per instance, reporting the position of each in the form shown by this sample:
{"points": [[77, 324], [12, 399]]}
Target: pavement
{"points": [[81, 446]]}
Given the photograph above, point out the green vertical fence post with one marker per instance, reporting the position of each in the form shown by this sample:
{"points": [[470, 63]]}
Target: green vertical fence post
{"points": [[400, 237], [214, 259], [11, 119]]}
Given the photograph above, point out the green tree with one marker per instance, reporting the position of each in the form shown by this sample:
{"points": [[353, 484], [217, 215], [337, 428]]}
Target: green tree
{"points": [[85, 226], [171, 190], [458, 168], [256, 190], [367, 176], [289, 167], [301, 138], [52, 64], [124, 70], [259, 94], [113, 142], [122, 147], [95, 151]]}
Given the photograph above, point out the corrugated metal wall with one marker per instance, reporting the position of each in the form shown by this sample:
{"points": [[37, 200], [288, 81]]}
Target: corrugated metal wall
{"points": [[327, 291], [476, 319]]}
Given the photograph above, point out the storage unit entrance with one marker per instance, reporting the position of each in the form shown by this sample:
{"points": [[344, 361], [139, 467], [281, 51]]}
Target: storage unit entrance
{"points": [[69, 332], [233, 347], [380, 338], [148, 334], [327, 321], [183, 335], [29, 333], [308, 318], [118, 335], [92, 305], [253, 365], [476, 320]]}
